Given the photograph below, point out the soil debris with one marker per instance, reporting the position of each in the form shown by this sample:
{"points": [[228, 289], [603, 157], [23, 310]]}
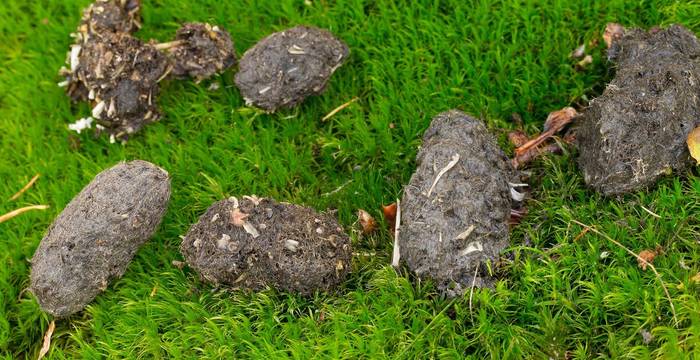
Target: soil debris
{"points": [[201, 51], [95, 237], [286, 67], [294, 248], [116, 16], [452, 227], [636, 131]]}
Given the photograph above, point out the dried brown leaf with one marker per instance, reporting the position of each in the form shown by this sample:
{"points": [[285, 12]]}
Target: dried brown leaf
{"points": [[367, 222], [47, 340], [389, 212], [645, 258], [693, 142]]}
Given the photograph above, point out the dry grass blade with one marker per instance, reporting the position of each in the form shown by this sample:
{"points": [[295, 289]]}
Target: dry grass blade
{"points": [[19, 211], [47, 340], [25, 188], [396, 256], [640, 260], [339, 108]]}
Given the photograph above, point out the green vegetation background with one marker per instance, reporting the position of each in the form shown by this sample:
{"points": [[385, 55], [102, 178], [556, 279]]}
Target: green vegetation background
{"points": [[560, 297]]}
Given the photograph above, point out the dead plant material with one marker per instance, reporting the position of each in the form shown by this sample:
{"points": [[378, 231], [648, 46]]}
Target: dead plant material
{"points": [[583, 64], [367, 222], [645, 258], [20, 211], [533, 153], [389, 212], [396, 253], [25, 188], [693, 142], [518, 138], [339, 108], [639, 259], [555, 122], [46, 346]]}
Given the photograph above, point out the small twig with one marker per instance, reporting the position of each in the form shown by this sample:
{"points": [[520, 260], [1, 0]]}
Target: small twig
{"points": [[25, 188], [639, 259], [650, 212], [450, 165], [557, 120], [339, 108], [396, 254], [47, 340], [19, 211], [168, 45], [471, 291]]}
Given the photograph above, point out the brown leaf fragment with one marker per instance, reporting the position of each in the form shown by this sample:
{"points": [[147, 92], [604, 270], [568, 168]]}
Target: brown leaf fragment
{"points": [[389, 212], [516, 216], [367, 222], [521, 160], [556, 121], [693, 142], [238, 217], [645, 258], [47, 340], [517, 138], [613, 32]]}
